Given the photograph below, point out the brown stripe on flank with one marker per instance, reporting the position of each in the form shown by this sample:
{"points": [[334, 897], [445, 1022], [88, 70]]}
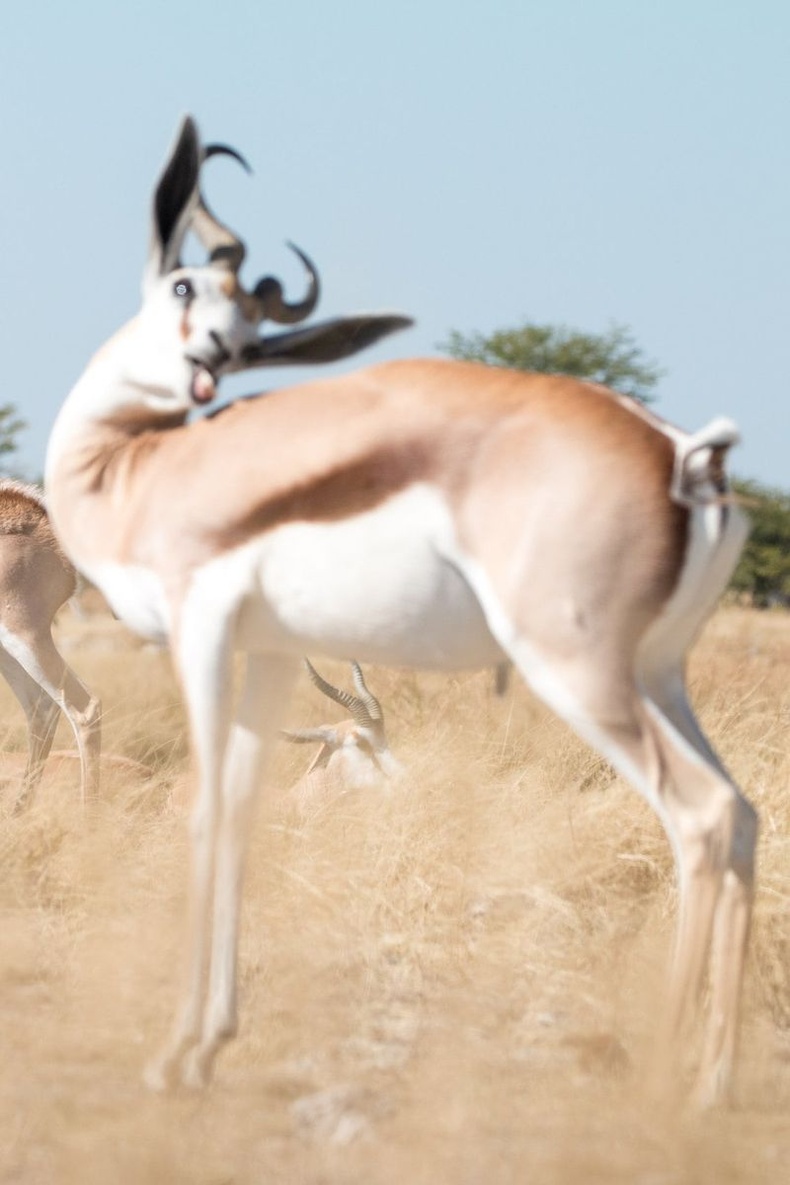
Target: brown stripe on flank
{"points": [[328, 450], [342, 492]]}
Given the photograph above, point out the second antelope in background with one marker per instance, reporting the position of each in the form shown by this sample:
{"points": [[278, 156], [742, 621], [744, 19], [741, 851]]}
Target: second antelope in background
{"points": [[354, 753], [36, 580]]}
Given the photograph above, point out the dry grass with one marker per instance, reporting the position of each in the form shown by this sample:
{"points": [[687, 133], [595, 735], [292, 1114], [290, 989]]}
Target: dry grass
{"points": [[453, 982]]}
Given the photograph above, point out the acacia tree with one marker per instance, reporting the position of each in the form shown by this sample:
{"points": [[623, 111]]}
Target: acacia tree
{"points": [[764, 567], [612, 358]]}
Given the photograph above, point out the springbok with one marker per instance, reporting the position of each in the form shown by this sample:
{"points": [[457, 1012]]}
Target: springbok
{"points": [[36, 579], [423, 513], [354, 754]]}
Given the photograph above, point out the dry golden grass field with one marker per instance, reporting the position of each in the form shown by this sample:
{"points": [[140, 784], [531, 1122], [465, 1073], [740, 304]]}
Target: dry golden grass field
{"points": [[451, 982]]}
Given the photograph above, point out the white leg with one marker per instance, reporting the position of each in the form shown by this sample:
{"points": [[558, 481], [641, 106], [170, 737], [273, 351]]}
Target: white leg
{"points": [[42, 719], [730, 939], [83, 712], [267, 691], [204, 657], [715, 833], [711, 827], [38, 659], [664, 686]]}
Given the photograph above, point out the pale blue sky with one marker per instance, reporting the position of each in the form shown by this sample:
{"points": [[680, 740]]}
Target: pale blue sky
{"points": [[475, 165]]}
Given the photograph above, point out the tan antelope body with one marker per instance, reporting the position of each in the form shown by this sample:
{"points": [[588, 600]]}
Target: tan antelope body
{"points": [[418, 513], [36, 579]]}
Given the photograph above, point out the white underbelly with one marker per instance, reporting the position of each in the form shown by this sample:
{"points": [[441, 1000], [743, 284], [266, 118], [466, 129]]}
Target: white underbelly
{"points": [[380, 587]]}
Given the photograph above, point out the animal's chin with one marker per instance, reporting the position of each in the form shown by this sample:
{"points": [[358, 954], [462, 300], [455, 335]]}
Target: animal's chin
{"points": [[203, 386]]}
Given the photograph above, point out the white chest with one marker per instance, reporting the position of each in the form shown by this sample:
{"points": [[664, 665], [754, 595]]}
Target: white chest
{"points": [[136, 596]]}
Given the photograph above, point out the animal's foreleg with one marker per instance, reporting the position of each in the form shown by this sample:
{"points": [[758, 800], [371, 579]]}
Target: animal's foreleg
{"points": [[203, 657], [267, 690], [83, 712]]}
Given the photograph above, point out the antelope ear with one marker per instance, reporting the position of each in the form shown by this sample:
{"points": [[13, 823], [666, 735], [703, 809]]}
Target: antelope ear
{"points": [[175, 197], [325, 735], [328, 341]]}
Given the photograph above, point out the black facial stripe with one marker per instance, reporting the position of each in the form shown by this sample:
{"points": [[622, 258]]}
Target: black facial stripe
{"points": [[202, 363], [223, 353]]}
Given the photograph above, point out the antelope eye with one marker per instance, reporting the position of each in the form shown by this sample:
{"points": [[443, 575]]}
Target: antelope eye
{"points": [[184, 289]]}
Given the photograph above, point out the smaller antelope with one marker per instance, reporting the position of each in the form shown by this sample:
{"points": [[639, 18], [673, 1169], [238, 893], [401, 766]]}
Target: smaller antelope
{"points": [[355, 753], [36, 579]]}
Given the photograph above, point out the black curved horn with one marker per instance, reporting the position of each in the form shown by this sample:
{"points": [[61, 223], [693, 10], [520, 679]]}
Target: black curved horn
{"points": [[222, 244], [372, 705], [354, 703], [226, 150], [269, 293]]}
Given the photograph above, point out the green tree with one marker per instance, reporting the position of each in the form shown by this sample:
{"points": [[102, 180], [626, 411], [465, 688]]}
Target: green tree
{"points": [[10, 427], [612, 358], [764, 568]]}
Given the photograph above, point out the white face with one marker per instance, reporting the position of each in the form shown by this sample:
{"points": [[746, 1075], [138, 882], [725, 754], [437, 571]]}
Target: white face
{"points": [[194, 326], [361, 760]]}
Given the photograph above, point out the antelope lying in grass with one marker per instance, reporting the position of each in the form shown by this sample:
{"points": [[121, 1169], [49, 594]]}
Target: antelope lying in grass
{"points": [[418, 513], [36, 579], [354, 754]]}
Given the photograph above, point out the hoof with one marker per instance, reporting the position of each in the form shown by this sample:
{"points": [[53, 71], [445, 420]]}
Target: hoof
{"points": [[196, 1070], [159, 1076], [711, 1091]]}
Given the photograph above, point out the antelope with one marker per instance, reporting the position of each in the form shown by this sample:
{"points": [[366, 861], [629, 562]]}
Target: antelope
{"points": [[419, 513], [353, 754], [36, 579]]}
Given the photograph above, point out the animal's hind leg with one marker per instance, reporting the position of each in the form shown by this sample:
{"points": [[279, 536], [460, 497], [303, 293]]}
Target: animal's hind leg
{"points": [[730, 942], [83, 712], [42, 722], [716, 829], [81, 709], [42, 718], [703, 815], [37, 656], [664, 685]]}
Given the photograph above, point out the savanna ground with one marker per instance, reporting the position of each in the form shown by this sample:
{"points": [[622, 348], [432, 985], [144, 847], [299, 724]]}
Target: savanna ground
{"points": [[454, 981]]}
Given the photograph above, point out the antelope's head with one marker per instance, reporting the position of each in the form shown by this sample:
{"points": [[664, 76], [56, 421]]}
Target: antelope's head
{"points": [[200, 322], [357, 750]]}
